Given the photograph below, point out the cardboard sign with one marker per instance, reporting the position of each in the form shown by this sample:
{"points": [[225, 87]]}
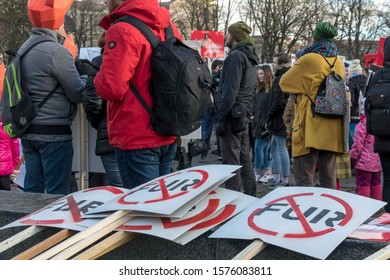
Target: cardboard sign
{"points": [[227, 212], [66, 212], [166, 194], [170, 229], [211, 43], [312, 221], [376, 230]]}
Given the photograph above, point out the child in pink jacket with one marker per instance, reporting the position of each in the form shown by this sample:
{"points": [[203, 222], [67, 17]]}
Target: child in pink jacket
{"points": [[367, 163], [9, 158]]}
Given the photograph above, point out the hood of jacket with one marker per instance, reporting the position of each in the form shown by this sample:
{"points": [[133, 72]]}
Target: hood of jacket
{"points": [[247, 47], [147, 11]]}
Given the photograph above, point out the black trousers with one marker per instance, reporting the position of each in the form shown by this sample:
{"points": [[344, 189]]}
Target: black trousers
{"points": [[5, 182]]}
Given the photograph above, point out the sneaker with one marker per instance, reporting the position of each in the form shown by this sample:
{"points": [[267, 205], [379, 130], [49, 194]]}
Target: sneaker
{"points": [[258, 177], [219, 158], [276, 185], [271, 184], [265, 178]]}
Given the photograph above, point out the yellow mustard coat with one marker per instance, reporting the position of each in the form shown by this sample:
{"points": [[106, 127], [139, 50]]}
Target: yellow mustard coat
{"points": [[312, 132]]}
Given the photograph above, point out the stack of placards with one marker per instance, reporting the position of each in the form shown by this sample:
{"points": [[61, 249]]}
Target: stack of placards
{"points": [[178, 207]]}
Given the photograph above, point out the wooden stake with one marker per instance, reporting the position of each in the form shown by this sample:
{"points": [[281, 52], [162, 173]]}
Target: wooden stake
{"points": [[19, 237], [84, 243], [252, 250], [107, 245], [382, 254], [45, 244], [106, 225]]}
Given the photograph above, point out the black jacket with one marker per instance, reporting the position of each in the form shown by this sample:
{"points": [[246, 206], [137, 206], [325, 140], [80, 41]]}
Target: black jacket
{"points": [[275, 122], [263, 101], [382, 145], [356, 85], [95, 108], [238, 81]]}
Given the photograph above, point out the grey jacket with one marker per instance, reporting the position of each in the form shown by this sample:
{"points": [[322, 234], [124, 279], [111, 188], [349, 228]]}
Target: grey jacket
{"points": [[43, 67]]}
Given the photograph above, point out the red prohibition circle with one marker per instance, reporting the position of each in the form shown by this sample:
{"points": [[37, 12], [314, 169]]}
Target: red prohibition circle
{"points": [[164, 191], [308, 231]]}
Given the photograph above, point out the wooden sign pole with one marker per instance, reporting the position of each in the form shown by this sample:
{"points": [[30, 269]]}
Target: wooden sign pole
{"points": [[107, 245], [106, 225], [45, 244], [252, 250], [89, 240], [382, 254], [19, 237]]}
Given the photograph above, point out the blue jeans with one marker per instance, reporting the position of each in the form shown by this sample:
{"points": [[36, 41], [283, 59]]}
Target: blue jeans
{"points": [[352, 127], [140, 166], [48, 166], [262, 156], [280, 157], [112, 170]]}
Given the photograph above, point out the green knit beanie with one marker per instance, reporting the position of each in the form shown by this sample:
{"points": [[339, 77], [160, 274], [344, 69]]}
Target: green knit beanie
{"points": [[239, 31], [324, 31]]}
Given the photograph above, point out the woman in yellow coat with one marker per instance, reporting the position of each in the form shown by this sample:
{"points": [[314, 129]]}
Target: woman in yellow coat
{"points": [[315, 139]]}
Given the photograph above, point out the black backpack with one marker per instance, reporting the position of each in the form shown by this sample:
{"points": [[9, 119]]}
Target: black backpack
{"points": [[331, 99], [17, 109], [377, 107], [180, 84]]}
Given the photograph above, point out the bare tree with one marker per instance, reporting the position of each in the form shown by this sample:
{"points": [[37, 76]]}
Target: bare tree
{"points": [[83, 19], [358, 27], [283, 23], [195, 14], [14, 25]]}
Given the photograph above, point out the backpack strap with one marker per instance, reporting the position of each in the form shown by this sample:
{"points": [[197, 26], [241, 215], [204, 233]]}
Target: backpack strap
{"points": [[48, 96], [154, 41], [39, 41], [330, 65], [145, 30]]}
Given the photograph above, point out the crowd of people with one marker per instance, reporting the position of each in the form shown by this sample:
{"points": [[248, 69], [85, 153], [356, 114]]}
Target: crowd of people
{"points": [[262, 115]]}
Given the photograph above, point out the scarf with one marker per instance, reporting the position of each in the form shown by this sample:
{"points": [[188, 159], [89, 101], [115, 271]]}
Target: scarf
{"points": [[323, 47]]}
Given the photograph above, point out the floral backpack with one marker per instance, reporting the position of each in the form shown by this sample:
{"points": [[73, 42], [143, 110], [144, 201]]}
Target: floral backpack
{"points": [[331, 100]]}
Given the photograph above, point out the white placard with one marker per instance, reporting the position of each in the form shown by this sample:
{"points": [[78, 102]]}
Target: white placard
{"points": [[66, 211], [227, 212], [170, 229], [166, 194], [312, 221]]}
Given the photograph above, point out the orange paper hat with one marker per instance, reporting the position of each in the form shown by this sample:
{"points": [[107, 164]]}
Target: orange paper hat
{"points": [[70, 45], [48, 13]]}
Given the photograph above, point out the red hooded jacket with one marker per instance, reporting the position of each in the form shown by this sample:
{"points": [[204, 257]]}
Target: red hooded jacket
{"points": [[126, 58]]}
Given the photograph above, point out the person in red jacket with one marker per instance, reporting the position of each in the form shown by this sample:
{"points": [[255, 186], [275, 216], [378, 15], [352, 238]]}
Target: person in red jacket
{"points": [[9, 158], [141, 153]]}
